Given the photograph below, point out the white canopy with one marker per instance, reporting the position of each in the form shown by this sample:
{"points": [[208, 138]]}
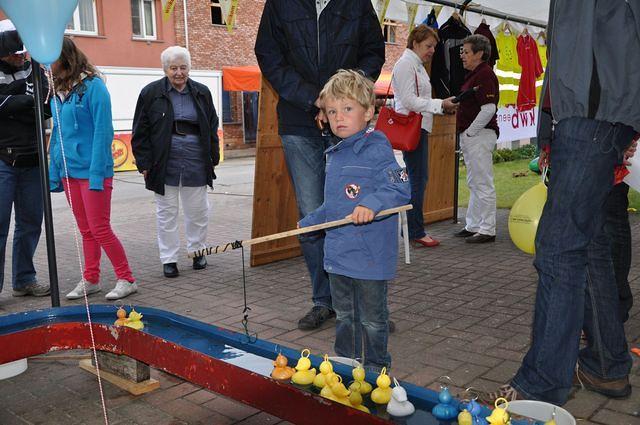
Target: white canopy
{"points": [[534, 10]]}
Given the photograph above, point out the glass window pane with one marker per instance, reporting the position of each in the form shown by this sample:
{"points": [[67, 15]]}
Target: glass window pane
{"points": [[148, 18], [135, 17], [85, 7]]}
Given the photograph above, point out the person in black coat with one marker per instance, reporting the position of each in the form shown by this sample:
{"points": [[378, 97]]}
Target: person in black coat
{"points": [[299, 46], [175, 144]]}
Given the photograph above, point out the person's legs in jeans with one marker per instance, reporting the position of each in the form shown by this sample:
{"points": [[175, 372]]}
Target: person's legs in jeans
{"points": [[584, 153], [348, 331], [167, 207], [90, 247], [8, 183], [371, 303], [28, 214], [195, 206], [97, 205], [306, 161], [417, 169], [618, 231]]}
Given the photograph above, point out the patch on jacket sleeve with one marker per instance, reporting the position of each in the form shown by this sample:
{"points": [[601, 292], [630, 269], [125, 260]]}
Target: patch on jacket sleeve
{"points": [[352, 190], [397, 175]]}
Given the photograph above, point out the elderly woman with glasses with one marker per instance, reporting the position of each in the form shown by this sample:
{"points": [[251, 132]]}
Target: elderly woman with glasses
{"points": [[175, 144]]}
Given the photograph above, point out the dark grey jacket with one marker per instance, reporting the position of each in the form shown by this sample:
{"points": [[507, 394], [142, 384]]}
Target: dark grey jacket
{"points": [[609, 31]]}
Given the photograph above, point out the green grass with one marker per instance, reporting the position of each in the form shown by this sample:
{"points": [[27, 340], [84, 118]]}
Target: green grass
{"points": [[509, 188]]}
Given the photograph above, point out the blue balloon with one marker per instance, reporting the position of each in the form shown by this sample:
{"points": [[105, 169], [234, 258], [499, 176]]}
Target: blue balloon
{"points": [[41, 25]]}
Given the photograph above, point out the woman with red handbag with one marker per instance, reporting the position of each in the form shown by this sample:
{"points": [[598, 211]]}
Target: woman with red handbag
{"points": [[412, 93]]}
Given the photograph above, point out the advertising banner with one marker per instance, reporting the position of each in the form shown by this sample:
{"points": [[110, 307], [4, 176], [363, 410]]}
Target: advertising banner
{"points": [[517, 125]]}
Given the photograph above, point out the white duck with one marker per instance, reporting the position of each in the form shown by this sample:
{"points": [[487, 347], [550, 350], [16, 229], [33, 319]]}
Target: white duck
{"points": [[399, 405]]}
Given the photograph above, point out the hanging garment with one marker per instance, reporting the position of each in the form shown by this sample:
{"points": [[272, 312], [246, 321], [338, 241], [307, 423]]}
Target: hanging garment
{"points": [[529, 60], [483, 29], [507, 68], [447, 72], [542, 51], [431, 20]]}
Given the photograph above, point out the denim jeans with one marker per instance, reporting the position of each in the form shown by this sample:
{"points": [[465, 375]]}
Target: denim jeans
{"points": [[362, 318], [306, 161], [576, 285], [618, 230], [417, 163], [20, 188]]}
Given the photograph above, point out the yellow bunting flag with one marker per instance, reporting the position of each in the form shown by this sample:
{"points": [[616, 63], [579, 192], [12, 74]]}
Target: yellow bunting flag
{"points": [[381, 8], [229, 11], [412, 10], [167, 8]]}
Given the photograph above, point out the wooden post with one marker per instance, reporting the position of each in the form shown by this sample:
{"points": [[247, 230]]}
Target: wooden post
{"points": [[124, 372]]}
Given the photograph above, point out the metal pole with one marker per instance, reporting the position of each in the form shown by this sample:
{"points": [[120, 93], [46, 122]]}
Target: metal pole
{"points": [[455, 179], [44, 181]]}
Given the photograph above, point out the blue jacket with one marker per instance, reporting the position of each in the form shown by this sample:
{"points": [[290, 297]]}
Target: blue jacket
{"points": [[362, 170], [87, 134]]}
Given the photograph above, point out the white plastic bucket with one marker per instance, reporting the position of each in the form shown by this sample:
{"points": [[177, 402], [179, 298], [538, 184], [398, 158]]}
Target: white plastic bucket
{"points": [[9, 370], [540, 411]]}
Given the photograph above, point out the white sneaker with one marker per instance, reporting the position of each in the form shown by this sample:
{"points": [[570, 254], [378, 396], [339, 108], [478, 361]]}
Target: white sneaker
{"points": [[123, 289], [77, 292]]}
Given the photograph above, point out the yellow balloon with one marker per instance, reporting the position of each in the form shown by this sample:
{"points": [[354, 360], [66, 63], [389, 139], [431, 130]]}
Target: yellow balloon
{"points": [[525, 216]]}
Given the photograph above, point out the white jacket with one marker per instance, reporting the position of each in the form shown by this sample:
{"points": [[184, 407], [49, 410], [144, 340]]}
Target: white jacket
{"points": [[404, 89]]}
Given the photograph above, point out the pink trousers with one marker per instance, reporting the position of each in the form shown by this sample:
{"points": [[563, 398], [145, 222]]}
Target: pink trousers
{"points": [[92, 210]]}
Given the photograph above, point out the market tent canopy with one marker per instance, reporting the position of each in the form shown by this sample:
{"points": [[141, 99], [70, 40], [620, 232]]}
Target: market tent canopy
{"points": [[382, 85], [241, 78]]}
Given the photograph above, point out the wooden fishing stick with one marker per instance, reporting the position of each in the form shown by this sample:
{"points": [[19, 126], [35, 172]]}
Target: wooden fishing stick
{"points": [[237, 244]]}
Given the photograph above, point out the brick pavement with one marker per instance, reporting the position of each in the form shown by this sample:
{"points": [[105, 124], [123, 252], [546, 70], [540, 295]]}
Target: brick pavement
{"points": [[461, 310]]}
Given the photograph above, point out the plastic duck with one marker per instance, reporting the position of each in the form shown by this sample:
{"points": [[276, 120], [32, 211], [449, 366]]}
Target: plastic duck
{"points": [[304, 375], [552, 421], [399, 405], [340, 392], [122, 317], [476, 411], [444, 410], [355, 398], [382, 394], [326, 369], [282, 372], [329, 382], [465, 418], [499, 416], [134, 320], [359, 374]]}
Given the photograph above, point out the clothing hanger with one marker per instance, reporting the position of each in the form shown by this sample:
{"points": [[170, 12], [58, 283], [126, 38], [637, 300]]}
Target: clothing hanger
{"points": [[542, 35], [484, 21], [506, 28]]}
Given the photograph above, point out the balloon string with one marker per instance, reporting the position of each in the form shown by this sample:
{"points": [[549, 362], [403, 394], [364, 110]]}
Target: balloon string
{"points": [[545, 173], [251, 337], [58, 126]]}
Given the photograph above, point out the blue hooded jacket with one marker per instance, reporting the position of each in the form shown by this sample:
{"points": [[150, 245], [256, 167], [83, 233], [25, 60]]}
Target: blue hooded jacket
{"points": [[362, 170], [87, 134]]}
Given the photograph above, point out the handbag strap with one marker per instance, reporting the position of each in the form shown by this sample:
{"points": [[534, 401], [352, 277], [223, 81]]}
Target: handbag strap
{"points": [[389, 88]]}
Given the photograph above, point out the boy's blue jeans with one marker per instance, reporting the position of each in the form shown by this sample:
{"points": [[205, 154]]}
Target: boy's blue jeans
{"points": [[362, 319], [576, 284], [306, 161]]}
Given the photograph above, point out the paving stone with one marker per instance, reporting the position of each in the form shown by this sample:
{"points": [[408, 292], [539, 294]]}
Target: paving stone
{"points": [[609, 417]]}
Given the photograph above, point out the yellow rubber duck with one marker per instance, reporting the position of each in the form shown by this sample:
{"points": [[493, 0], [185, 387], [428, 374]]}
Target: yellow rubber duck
{"points": [[552, 421], [355, 398], [465, 418], [330, 381], [282, 372], [305, 374], [122, 317], [326, 369], [499, 416], [134, 320], [382, 394], [359, 375], [340, 393]]}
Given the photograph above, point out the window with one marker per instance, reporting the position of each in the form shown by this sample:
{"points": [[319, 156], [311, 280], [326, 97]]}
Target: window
{"points": [[389, 29], [84, 19], [227, 114], [216, 13], [143, 18]]}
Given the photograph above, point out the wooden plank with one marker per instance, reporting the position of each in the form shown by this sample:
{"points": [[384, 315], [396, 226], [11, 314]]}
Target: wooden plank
{"points": [[438, 202], [274, 202], [135, 388]]}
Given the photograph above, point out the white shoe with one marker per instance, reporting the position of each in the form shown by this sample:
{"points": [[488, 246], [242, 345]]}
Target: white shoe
{"points": [[123, 289], [77, 292]]}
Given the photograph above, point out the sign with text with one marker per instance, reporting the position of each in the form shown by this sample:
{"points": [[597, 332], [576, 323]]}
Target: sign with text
{"points": [[123, 159], [517, 125]]}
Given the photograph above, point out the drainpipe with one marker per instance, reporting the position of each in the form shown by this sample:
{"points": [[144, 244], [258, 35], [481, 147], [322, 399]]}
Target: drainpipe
{"points": [[186, 25]]}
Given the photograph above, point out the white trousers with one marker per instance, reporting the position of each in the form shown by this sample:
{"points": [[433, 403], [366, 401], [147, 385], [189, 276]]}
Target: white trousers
{"points": [[195, 205], [477, 151]]}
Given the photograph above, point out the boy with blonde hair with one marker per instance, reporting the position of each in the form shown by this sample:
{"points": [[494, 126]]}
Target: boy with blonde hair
{"points": [[362, 178]]}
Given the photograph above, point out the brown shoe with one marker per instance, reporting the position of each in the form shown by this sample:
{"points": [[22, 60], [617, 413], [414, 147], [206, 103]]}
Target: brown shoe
{"points": [[613, 388], [505, 391]]}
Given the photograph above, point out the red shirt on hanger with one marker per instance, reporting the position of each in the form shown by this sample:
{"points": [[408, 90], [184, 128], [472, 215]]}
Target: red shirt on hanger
{"points": [[529, 60]]}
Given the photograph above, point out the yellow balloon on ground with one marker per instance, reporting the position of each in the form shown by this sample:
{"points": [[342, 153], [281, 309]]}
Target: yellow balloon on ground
{"points": [[525, 216]]}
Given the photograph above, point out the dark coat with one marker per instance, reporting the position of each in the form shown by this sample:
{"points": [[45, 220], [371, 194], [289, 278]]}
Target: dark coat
{"points": [[298, 52], [153, 125]]}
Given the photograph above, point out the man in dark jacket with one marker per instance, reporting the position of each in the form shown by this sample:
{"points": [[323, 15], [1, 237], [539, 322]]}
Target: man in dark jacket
{"points": [[300, 45], [20, 186]]}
